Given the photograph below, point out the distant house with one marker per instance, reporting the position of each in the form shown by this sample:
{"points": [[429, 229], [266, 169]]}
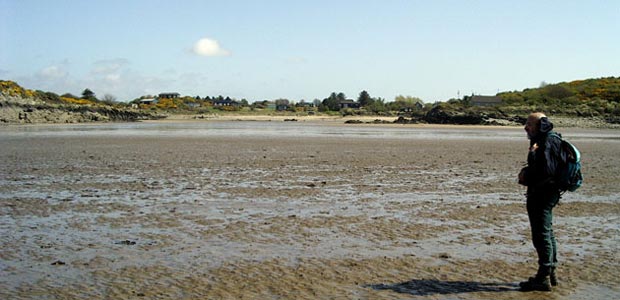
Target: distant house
{"points": [[305, 106], [485, 100], [226, 102], [282, 104], [148, 101], [348, 104], [411, 108], [169, 95], [192, 104]]}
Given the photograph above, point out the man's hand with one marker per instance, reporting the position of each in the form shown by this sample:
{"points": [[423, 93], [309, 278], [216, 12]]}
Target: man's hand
{"points": [[522, 176]]}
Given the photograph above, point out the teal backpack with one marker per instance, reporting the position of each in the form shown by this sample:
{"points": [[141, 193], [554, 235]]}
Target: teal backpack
{"points": [[569, 176]]}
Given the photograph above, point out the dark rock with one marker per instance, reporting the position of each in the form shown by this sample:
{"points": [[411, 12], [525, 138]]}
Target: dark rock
{"points": [[613, 120], [437, 115], [403, 120], [126, 242], [518, 119]]}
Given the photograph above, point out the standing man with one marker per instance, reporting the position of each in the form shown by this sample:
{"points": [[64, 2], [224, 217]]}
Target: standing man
{"points": [[542, 195]]}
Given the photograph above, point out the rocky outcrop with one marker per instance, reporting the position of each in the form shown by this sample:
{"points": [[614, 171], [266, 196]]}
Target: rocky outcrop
{"points": [[613, 120], [440, 116], [437, 115], [17, 110], [403, 120], [375, 121]]}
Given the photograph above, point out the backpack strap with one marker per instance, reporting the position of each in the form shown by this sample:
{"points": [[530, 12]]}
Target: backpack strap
{"points": [[555, 135]]}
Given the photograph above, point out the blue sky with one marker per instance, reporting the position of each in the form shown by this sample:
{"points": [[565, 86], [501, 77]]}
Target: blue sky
{"points": [[434, 50]]}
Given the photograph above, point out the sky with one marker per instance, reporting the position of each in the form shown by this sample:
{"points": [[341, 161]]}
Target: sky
{"points": [[305, 50]]}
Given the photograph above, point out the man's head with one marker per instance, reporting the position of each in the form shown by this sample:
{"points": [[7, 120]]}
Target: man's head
{"points": [[532, 125]]}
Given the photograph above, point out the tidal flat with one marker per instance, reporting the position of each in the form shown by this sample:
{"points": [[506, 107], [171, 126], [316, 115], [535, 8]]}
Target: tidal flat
{"points": [[284, 210]]}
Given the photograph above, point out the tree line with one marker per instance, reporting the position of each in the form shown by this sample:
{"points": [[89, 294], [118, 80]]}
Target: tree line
{"points": [[333, 103], [589, 97]]}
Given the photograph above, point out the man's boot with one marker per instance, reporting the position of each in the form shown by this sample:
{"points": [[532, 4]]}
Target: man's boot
{"points": [[553, 279], [540, 282]]}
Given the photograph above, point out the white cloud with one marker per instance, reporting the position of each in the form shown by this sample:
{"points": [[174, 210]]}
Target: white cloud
{"points": [[53, 73], [117, 77], [209, 47], [107, 66], [109, 76], [113, 77], [110, 70]]}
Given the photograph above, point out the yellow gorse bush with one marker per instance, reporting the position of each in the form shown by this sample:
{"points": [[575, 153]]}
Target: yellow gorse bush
{"points": [[11, 88], [77, 101]]}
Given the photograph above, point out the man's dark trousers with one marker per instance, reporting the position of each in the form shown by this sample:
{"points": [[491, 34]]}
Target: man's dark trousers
{"points": [[540, 204]]}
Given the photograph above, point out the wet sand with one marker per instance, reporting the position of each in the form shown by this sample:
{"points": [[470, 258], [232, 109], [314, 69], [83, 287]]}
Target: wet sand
{"points": [[286, 217]]}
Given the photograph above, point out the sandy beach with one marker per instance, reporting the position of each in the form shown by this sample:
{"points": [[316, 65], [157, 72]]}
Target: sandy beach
{"points": [[158, 210]]}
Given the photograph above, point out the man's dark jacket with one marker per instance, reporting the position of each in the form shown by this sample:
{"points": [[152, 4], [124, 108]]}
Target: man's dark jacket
{"points": [[543, 162]]}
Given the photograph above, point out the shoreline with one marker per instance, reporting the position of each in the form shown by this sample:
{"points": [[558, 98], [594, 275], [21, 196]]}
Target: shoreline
{"points": [[559, 122], [326, 120], [382, 121]]}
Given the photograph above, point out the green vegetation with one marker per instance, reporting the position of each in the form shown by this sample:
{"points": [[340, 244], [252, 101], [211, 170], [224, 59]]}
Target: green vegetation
{"points": [[591, 97], [20, 105], [11, 88], [598, 98]]}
